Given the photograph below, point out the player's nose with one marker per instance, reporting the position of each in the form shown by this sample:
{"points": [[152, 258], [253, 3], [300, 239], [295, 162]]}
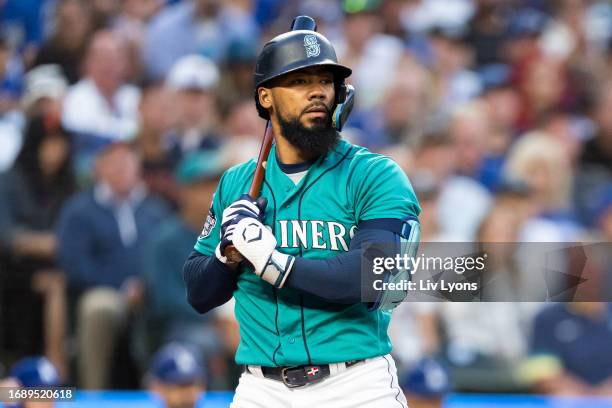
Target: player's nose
{"points": [[318, 91]]}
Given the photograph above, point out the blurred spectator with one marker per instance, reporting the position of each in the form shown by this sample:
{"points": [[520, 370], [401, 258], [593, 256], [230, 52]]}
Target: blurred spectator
{"points": [[11, 76], [237, 73], [101, 107], [368, 52], [522, 34], [45, 88], [392, 12], [177, 376], [243, 129], [484, 350], [542, 163], [543, 85], [169, 317], [404, 112], [11, 119], [434, 159], [576, 338], [577, 31], [35, 372], [434, 165], [22, 21], [565, 129], [595, 167], [157, 114], [414, 332], [474, 201], [450, 14], [503, 278], [228, 328], [67, 42], [426, 383], [134, 16], [34, 191], [204, 27], [486, 32], [102, 233], [104, 13], [470, 131], [193, 80], [131, 24], [503, 105], [453, 82]]}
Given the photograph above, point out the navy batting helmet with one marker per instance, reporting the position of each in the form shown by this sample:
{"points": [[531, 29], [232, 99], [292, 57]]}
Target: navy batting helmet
{"points": [[35, 372], [302, 47]]}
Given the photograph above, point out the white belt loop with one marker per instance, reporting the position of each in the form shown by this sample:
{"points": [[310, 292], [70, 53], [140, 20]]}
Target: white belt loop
{"points": [[255, 370], [335, 368]]}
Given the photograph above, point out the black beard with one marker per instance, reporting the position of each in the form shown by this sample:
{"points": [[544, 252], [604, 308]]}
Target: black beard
{"points": [[314, 141]]}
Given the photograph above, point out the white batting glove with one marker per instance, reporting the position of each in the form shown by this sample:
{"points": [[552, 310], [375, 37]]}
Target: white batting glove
{"points": [[257, 244], [244, 207]]}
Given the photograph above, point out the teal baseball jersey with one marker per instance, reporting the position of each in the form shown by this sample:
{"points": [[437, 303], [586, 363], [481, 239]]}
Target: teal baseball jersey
{"points": [[314, 219]]}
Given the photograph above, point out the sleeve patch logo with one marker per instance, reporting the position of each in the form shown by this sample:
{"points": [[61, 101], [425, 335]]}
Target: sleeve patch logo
{"points": [[312, 46], [209, 224]]}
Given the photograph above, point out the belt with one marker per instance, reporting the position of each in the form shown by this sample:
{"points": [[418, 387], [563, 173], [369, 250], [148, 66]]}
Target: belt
{"points": [[299, 376]]}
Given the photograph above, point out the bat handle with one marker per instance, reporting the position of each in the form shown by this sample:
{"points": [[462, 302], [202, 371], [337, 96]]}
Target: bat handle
{"points": [[232, 254]]}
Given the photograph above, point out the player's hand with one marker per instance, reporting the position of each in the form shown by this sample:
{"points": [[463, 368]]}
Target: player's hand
{"points": [[226, 239], [244, 207], [258, 246]]}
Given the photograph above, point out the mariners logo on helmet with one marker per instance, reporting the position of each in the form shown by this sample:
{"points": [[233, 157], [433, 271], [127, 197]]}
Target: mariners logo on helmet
{"points": [[312, 46]]}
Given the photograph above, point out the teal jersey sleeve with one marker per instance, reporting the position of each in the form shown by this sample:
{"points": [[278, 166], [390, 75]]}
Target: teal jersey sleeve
{"points": [[383, 191], [211, 232]]}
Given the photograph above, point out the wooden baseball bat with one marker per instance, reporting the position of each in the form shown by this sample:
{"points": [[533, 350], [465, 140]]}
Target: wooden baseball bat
{"points": [[231, 252]]}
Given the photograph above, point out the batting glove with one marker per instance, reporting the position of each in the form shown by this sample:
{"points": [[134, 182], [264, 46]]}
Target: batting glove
{"points": [[244, 207], [226, 239], [258, 246]]}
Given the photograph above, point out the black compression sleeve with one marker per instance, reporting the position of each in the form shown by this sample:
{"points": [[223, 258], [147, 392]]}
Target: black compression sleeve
{"points": [[336, 279], [210, 283]]}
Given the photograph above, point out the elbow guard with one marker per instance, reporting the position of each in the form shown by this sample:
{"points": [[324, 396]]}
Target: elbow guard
{"points": [[407, 244]]}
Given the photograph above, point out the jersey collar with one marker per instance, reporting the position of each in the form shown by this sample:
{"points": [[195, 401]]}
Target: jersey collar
{"points": [[322, 164]]}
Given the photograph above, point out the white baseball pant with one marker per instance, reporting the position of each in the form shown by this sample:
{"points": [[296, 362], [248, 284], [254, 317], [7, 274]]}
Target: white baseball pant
{"points": [[370, 384]]}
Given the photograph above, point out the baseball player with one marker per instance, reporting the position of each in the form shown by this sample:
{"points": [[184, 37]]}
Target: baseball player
{"points": [[177, 376], [306, 337], [34, 372]]}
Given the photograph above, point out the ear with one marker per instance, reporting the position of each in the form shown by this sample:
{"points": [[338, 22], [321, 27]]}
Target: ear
{"points": [[265, 97]]}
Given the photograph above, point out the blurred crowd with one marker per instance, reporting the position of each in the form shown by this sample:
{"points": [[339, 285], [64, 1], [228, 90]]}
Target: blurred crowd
{"points": [[117, 118]]}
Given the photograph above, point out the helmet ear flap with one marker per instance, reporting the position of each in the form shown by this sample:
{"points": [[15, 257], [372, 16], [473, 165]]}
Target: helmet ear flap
{"points": [[343, 108], [340, 92]]}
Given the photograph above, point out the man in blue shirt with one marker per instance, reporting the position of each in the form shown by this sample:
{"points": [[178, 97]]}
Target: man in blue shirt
{"points": [[577, 338], [101, 236]]}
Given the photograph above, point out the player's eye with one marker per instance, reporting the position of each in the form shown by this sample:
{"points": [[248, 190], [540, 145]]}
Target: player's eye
{"points": [[298, 81]]}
